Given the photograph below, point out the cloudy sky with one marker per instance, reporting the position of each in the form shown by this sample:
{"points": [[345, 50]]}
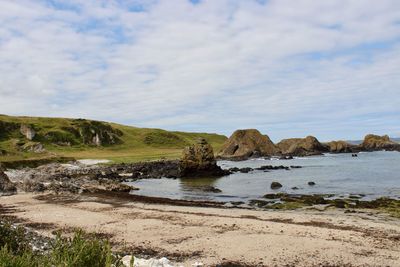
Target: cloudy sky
{"points": [[330, 68]]}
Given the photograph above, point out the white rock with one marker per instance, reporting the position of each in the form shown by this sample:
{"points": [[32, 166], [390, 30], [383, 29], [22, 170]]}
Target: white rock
{"points": [[163, 262]]}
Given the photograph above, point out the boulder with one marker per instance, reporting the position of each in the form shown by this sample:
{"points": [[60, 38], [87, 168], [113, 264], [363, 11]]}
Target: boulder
{"points": [[341, 147], [308, 146], [375, 142], [244, 144], [276, 185], [198, 160], [6, 186], [27, 131]]}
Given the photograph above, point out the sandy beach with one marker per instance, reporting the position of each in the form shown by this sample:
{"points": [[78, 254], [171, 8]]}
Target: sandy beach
{"points": [[213, 235]]}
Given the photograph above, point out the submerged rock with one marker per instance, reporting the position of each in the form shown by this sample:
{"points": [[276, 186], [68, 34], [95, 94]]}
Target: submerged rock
{"points": [[198, 160], [308, 146], [244, 144]]}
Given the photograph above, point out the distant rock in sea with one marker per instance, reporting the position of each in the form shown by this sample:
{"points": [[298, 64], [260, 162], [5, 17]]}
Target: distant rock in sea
{"points": [[375, 142], [341, 147], [308, 146], [244, 144]]}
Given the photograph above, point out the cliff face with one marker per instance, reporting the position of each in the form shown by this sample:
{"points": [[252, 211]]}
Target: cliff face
{"points": [[375, 142], [247, 143], [301, 146]]}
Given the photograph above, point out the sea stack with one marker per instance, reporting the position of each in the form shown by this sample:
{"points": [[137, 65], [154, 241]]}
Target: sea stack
{"points": [[341, 147], [244, 144], [375, 142], [198, 160], [301, 147]]}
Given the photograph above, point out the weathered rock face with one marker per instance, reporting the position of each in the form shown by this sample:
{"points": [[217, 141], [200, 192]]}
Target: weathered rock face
{"points": [[96, 133], [6, 186], [27, 131], [341, 147], [375, 142], [248, 143], [301, 146], [198, 160]]}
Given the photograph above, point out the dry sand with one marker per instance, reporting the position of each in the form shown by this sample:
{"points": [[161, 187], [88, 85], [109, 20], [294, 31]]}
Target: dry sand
{"points": [[189, 234]]}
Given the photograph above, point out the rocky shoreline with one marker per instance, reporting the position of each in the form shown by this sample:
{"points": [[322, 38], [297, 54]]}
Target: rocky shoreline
{"points": [[250, 143]]}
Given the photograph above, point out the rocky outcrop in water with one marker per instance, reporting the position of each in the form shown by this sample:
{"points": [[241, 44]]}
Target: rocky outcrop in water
{"points": [[6, 186], [308, 146], [375, 142], [341, 147], [198, 160], [244, 144]]}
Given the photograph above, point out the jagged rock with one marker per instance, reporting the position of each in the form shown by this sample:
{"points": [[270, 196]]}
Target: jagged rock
{"points": [[6, 186], [94, 133], [244, 144], [308, 146], [276, 185], [341, 147], [375, 142], [198, 160], [27, 131]]}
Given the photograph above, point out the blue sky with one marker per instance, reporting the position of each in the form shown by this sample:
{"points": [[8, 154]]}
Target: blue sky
{"points": [[288, 68]]}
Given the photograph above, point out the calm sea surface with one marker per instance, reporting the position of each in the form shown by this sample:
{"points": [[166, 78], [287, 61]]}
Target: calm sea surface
{"points": [[373, 174]]}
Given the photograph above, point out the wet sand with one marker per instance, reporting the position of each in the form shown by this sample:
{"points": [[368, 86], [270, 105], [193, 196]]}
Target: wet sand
{"points": [[187, 232]]}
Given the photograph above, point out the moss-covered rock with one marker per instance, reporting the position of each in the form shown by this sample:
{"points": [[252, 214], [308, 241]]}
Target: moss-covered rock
{"points": [[199, 160], [96, 133]]}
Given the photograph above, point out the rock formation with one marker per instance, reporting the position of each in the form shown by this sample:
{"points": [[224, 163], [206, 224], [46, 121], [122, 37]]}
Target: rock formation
{"points": [[244, 144], [27, 131], [341, 147], [199, 160], [308, 146], [6, 186], [375, 142]]}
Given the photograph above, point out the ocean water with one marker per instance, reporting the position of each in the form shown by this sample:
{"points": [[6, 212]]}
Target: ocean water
{"points": [[373, 174]]}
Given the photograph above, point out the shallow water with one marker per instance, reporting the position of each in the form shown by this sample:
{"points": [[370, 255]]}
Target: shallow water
{"points": [[373, 174]]}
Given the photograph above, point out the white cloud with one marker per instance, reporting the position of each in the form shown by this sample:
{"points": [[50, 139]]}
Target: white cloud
{"points": [[328, 68]]}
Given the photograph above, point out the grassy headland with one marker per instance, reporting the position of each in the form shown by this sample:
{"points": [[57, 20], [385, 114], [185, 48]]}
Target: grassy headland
{"points": [[79, 138]]}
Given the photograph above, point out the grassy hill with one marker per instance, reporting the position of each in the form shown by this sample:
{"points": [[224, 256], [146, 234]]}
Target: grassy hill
{"points": [[79, 138]]}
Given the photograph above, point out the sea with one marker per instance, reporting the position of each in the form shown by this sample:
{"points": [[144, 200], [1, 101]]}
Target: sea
{"points": [[370, 175]]}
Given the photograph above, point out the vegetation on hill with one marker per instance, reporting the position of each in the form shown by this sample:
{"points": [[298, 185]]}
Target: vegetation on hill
{"points": [[41, 138]]}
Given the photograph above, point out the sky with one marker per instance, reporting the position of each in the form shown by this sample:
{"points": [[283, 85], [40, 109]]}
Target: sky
{"points": [[328, 68]]}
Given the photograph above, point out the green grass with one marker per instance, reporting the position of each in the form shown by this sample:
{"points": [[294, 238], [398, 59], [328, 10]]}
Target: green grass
{"points": [[137, 144], [79, 250]]}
